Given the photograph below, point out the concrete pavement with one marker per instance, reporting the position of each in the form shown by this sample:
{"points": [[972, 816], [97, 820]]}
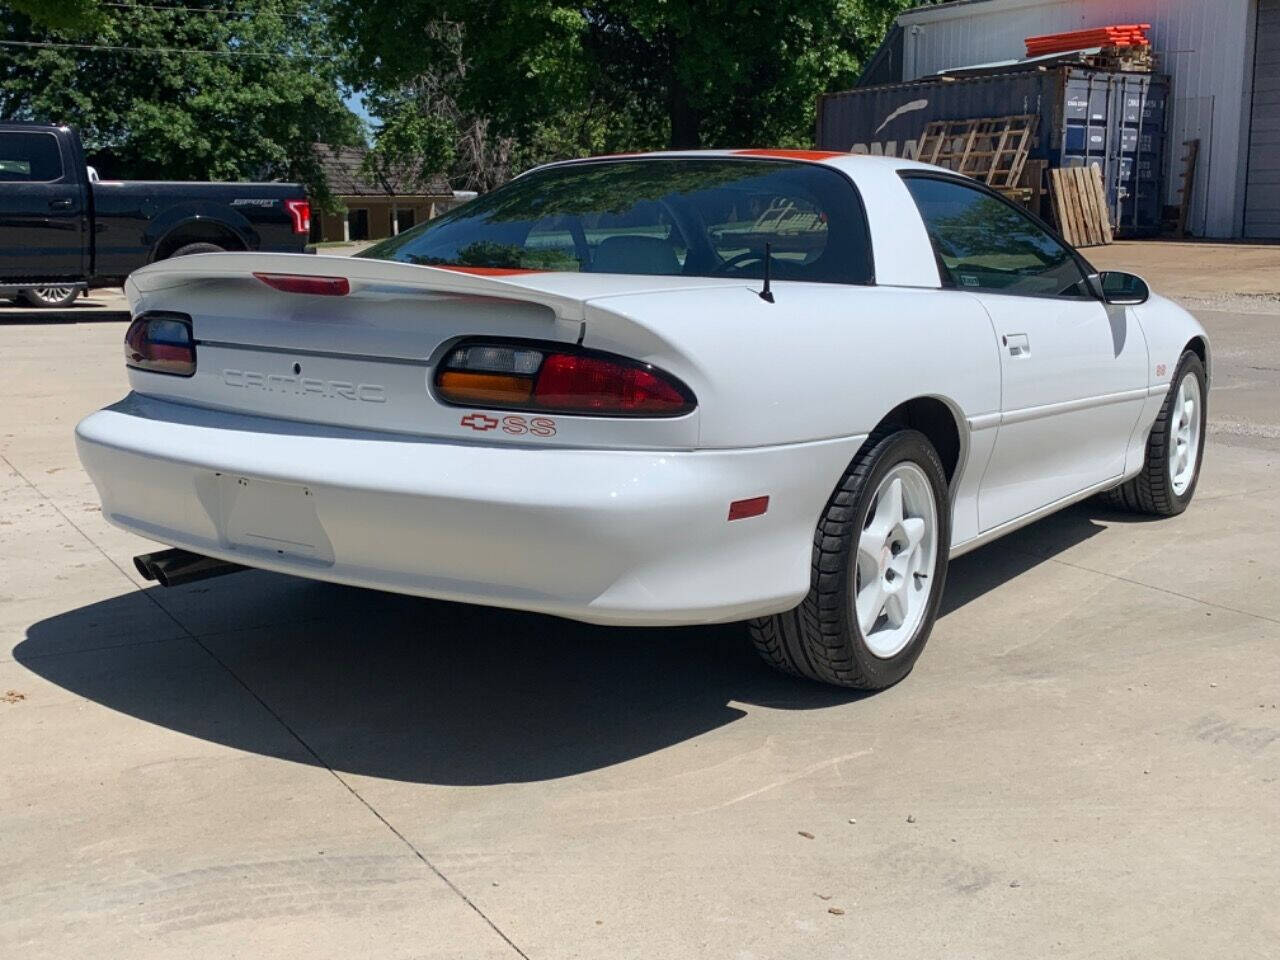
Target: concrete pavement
{"points": [[1086, 761], [106, 303]]}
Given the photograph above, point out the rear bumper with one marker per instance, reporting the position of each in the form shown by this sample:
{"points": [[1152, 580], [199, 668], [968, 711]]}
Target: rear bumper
{"points": [[621, 537]]}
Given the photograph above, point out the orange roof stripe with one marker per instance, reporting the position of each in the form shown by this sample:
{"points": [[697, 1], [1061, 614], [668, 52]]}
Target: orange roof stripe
{"points": [[791, 154]]}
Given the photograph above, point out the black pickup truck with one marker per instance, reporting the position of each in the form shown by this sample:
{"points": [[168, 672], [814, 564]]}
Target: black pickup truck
{"points": [[63, 231]]}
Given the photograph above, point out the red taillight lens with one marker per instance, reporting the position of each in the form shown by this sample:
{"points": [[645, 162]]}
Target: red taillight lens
{"points": [[594, 384], [301, 283], [300, 211], [161, 343], [529, 377]]}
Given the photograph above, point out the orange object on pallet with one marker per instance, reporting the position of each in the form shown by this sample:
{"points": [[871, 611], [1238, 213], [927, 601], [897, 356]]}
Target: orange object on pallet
{"points": [[1118, 35]]}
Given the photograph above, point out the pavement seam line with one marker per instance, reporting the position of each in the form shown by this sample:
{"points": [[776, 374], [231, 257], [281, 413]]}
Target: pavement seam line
{"points": [[126, 645], [355, 793], [190, 635], [1138, 583], [93, 543]]}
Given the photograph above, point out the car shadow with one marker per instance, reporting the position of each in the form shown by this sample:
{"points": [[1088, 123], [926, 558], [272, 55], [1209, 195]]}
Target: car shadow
{"points": [[33, 318], [89, 309], [422, 691]]}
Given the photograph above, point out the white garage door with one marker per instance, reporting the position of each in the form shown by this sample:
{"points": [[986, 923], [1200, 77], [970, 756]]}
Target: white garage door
{"points": [[1262, 202]]}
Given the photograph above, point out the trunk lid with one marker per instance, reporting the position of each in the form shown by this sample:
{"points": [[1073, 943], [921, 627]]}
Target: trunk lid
{"points": [[366, 360]]}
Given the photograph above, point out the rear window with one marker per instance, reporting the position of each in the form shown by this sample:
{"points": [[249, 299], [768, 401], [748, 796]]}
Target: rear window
{"points": [[657, 216], [29, 157]]}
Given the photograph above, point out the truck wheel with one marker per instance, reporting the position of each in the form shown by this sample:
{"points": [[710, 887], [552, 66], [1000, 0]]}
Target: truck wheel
{"points": [[49, 297], [191, 248]]}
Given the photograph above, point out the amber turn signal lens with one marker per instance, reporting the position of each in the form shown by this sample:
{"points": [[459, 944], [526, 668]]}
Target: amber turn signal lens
{"points": [[459, 386]]}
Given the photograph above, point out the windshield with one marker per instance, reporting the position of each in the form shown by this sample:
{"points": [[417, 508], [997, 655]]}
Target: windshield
{"points": [[656, 216]]}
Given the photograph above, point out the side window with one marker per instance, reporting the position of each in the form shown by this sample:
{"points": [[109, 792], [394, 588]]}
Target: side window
{"points": [[29, 158], [984, 243]]}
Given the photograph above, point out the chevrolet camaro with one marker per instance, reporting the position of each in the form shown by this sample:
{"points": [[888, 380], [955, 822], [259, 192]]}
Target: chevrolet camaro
{"points": [[776, 386]]}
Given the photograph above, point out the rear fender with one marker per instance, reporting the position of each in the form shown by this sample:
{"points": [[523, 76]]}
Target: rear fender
{"points": [[173, 220], [822, 361]]}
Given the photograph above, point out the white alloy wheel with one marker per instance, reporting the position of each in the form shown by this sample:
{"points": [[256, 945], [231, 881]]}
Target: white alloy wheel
{"points": [[1175, 447], [896, 553], [879, 567], [1184, 434]]}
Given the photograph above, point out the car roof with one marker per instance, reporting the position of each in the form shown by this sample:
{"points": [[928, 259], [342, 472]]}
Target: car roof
{"points": [[833, 158]]}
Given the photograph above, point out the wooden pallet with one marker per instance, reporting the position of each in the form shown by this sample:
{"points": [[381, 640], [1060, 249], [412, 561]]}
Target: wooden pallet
{"points": [[1030, 191], [1188, 184], [992, 149], [1080, 206], [1122, 60]]}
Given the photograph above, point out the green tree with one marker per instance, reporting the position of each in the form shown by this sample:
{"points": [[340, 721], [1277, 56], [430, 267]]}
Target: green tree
{"points": [[76, 16], [549, 78], [177, 89]]}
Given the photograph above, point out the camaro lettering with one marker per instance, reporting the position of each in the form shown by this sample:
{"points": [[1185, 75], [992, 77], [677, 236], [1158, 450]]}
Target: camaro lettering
{"points": [[305, 386]]}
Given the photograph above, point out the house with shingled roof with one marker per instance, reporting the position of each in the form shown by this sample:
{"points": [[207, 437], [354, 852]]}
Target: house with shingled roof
{"points": [[376, 206]]}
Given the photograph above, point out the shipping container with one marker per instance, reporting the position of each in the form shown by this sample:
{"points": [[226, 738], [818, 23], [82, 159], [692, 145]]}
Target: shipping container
{"points": [[1114, 120]]}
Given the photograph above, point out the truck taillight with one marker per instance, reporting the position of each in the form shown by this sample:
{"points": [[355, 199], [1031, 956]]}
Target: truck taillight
{"points": [[161, 343], [518, 376], [300, 211]]}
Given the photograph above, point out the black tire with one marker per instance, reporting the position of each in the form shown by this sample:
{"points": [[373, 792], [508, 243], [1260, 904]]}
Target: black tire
{"points": [[821, 638], [1152, 491], [192, 248], [49, 296]]}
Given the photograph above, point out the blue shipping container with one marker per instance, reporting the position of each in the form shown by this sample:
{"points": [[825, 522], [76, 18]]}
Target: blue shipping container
{"points": [[1114, 120]]}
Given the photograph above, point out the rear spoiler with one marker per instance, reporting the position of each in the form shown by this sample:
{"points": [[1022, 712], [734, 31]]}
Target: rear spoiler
{"points": [[376, 277]]}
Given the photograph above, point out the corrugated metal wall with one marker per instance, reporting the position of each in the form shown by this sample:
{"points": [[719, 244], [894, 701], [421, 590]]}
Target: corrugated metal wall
{"points": [[1202, 45], [1262, 199]]}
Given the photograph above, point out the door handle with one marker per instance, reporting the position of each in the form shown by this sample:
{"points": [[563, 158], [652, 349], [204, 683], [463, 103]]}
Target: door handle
{"points": [[63, 203], [1019, 344]]}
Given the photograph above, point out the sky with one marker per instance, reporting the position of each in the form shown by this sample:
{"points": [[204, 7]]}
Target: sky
{"points": [[356, 103]]}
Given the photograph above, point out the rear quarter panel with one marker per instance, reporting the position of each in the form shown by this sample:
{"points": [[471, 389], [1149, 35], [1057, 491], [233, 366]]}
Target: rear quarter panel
{"points": [[823, 361]]}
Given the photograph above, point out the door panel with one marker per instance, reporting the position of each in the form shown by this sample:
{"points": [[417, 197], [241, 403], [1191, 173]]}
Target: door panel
{"points": [[1074, 375], [1073, 371], [42, 209]]}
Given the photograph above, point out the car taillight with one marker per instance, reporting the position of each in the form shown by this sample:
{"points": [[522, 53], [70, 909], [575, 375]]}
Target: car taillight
{"points": [[555, 380], [161, 343], [300, 211]]}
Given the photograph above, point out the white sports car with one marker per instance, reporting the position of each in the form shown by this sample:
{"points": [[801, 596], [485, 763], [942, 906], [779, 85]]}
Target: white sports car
{"points": [[783, 386]]}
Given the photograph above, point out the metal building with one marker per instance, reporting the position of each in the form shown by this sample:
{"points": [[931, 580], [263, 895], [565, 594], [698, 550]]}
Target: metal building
{"points": [[1223, 57]]}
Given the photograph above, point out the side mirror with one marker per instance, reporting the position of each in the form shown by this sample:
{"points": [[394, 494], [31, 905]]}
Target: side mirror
{"points": [[1121, 289]]}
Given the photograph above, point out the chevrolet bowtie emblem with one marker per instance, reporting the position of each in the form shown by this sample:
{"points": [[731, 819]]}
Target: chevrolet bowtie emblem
{"points": [[479, 421]]}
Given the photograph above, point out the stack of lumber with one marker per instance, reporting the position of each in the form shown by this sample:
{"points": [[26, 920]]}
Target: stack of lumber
{"points": [[1120, 36], [1080, 206]]}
